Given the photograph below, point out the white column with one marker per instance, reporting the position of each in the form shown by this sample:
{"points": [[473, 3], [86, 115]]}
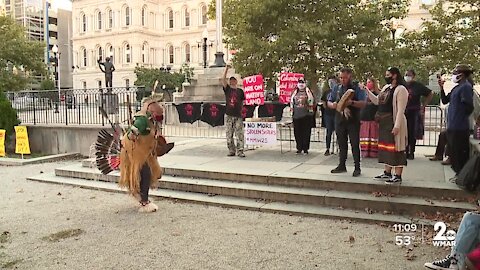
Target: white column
{"points": [[219, 25]]}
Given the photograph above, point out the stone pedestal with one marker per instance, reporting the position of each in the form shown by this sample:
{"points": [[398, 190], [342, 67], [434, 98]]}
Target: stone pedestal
{"points": [[205, 87]]}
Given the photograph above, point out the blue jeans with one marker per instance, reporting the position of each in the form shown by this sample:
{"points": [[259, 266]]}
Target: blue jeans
{"points": [[468, 237], [330, 126]]}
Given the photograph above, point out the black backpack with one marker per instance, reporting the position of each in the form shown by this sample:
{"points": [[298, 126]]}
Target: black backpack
{"points": [[469, 176]]}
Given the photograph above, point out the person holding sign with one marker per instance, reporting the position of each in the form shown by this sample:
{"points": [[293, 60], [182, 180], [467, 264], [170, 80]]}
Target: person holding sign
{"points": [[302, 104], [347, 118], [234, 97]]}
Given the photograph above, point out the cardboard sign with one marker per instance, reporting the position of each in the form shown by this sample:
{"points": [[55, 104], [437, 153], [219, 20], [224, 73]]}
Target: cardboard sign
{"points": [[2, 142], [254, 90], [288, 83], [22, 145], [260, 133]]}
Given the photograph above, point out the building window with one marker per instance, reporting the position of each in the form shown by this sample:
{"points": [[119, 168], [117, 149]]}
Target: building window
{"points": [[84, 23], [84, 57], [100, 53], [187, 17], [170, 19], [204, 14], [99, 84], [84, 84], [171, 57], [127, 83], [128, 54], [99, 20], [110, 19], [144, 53], [144, 16], [127, 16], [187, 53]]}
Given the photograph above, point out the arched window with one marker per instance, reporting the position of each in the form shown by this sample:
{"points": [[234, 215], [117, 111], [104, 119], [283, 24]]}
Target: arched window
{"points": [[171, 55], [204, 14], [84, 57], [128, 53], [100, 53], [128, 17], [145, 53], [144, 16], [109, 52], [187, 16], [110, 18], [170, 19], [84, 22], [187, 52], [99, 20]]}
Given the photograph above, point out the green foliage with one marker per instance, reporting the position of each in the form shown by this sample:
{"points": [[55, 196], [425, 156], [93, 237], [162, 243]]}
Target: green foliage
{"points": [[187, 71], [19, 58], [450, 38], [310, 37], [147, 77], [47, 85], [8, 116]]}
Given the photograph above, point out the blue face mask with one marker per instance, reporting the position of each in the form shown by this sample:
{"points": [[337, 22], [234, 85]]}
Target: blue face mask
{"points": [[332, 84]]}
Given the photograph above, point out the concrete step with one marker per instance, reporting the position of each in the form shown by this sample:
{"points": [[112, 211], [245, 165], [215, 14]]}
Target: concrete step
{"points": [[333, 198], [239, 203], [424, 189]]}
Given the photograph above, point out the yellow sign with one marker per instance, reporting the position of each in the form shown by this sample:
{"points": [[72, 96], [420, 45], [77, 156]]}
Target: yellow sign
{"points": [[2, 142], [22, 145]]}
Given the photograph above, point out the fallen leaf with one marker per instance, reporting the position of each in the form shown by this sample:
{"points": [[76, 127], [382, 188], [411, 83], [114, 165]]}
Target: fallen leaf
{"points": [[59, 194], [351, 239]]}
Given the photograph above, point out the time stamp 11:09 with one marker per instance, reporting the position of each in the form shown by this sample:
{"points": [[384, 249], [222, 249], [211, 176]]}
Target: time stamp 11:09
{"points": [[407, 233]]}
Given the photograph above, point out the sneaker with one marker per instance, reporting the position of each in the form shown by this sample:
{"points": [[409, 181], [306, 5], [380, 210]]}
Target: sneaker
{"points": [[383, 176], [396, 179], [305, 152], [448, 263], [231, 154], [357, 172], [327, 153], [241, 154], [435, 158], [147, 207], [411, 156], [453, 179], [299, 152], [339, 169]]}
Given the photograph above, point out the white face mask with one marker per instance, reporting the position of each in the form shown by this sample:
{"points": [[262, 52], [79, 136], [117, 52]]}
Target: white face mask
{"points": [[301, 86], [408, 79], [456, 78]]}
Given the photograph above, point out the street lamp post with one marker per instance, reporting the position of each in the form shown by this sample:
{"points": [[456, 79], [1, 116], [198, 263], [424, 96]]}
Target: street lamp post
{"points": [[204, 46], [56, 60], [219, 62]]}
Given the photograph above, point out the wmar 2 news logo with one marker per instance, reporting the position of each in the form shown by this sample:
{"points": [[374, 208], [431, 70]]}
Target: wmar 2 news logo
{"points": [[443, 238]]}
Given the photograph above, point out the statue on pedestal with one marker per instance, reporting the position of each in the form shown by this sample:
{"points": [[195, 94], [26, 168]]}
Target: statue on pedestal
{"points": [[107, 68]]}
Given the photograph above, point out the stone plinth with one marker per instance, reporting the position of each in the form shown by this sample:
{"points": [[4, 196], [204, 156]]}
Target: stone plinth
{"points": [[205, 87]]}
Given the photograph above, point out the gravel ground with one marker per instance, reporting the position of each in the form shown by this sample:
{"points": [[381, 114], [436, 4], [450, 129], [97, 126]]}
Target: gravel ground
{"points": [[46, 226]]}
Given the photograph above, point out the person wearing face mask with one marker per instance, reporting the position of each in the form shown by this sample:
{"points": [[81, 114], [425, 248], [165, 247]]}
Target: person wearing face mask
{"points": [[460, 100], [415, 108], [328, 114], [302, 104], [348, 127], [368, 126], [139, 168], [392, 139]]}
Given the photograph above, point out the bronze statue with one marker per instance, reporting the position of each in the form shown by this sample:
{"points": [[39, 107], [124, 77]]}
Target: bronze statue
{"points": [[108, 69]]}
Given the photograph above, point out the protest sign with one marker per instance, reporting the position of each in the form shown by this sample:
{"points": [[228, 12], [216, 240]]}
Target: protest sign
{"points": [[22, 145], [253, 88], [2, 142], [260, 133], [288, 83]]}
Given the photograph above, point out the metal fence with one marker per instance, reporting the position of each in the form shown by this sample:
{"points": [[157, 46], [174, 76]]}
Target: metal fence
{"points": [[81, 107]]}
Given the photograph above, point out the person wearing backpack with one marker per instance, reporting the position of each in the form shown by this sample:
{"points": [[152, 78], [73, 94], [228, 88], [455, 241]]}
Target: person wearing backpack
{"points": [[460, 108]]}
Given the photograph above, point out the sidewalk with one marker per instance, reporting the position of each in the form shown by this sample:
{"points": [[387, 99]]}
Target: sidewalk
{"points": [[210, 155]]}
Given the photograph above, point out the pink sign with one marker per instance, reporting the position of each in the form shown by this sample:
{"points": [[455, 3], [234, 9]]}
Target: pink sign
{"points": [[253, 88], [288, 83]]}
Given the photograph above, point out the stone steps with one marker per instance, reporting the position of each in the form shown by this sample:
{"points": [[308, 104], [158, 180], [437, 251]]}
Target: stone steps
{"points": [[426, 189], [238, 202], [325, 197]]}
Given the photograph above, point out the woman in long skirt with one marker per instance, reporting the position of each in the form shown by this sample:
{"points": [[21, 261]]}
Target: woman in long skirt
{"points": [[368, 125], [392, 140]]}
